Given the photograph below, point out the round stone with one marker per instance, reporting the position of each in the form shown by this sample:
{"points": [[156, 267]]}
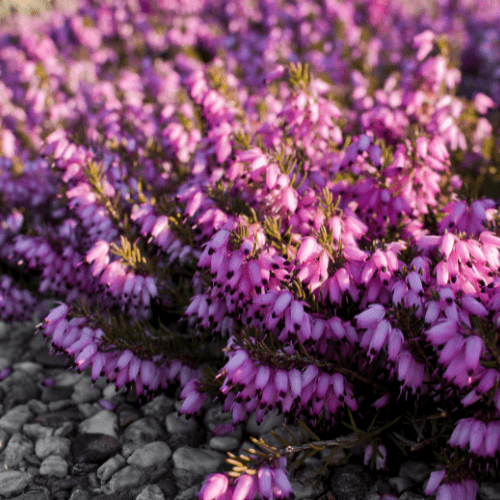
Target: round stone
{"points": [[104, 422], [108, 468], [150, 455], [151, 492], [52, 445], [54, 465], [145, 430], [36, 431], [176, 423], [18, 448], [158, 407], [349, 483], [125, 479], [94, 448], [197, 461], [86, 391], [15, 418], [13, 481], [418, 471], [224, 443]]}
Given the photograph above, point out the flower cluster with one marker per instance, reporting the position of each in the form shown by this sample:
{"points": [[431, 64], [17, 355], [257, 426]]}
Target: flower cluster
{"points": [[271, 204]]}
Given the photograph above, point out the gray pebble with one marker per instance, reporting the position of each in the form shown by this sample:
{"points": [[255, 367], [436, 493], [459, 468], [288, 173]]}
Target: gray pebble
{"points": [[309, 484], [349, 483], [86, 391], [224, 443], [125, 479], [19, 388], [128, 449], [215, 416], [88, 409], [65, 429], [15, 418], [150, 455], [418, 471], [54, 465], [28, 367], [401, 483], [110, 391], [144, 430], [13, 481], [61, 404], [151, 492], [104, 422], [159, 407], [176, 423], [4, 438], [79, 493], [37, 407], [108, 468], [94, 448], [36, 431], [52, 445], [197, 461], [188, 493], [18, 448], [489, 491]]}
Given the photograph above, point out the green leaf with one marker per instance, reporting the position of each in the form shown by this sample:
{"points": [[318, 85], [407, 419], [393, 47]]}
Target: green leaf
{"points": [[304, 427]]}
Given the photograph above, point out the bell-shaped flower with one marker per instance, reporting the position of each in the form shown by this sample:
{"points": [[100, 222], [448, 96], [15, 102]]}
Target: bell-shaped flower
{"points": [[214, 487]]}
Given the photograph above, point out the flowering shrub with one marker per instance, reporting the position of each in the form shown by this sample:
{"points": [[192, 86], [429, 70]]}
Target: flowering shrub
{"points": [[270, 203]]}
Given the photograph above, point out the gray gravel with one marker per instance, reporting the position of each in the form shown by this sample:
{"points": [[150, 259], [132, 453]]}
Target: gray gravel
{"points": [[59, 443]]}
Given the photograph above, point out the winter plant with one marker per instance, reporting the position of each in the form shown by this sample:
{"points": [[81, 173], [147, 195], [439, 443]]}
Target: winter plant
{"points": [[285, 207]]}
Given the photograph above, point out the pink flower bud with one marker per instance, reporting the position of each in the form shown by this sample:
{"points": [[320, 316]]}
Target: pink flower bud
{"points": [[441, 332], [492, 438], [379, 336], [434, 481], [253, 269], [282, 302], [444, 492], [85, 357], [262, 377], [336, 327], [338, 384], [382, 401], [477, 434], [432, 313], [297, 312], [281, 382], [473, 348], [446, 245], [318, 329], [482, 102], [324, 381], [57, 313], [265, 482], [394, 344], [220, 238], [309, 374], [214, 487], [370, 316], [246, 488], [281, 487], [295, 379]]}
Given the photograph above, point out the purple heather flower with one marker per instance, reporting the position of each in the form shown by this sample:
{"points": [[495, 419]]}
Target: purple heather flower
{"points": [[215, 487]]}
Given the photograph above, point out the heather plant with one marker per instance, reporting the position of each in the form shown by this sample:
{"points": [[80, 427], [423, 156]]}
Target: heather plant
{"points": [[272, 205]]}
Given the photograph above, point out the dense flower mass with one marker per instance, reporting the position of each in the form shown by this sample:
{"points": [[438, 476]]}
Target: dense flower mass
{"points": [[288, 207]]}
